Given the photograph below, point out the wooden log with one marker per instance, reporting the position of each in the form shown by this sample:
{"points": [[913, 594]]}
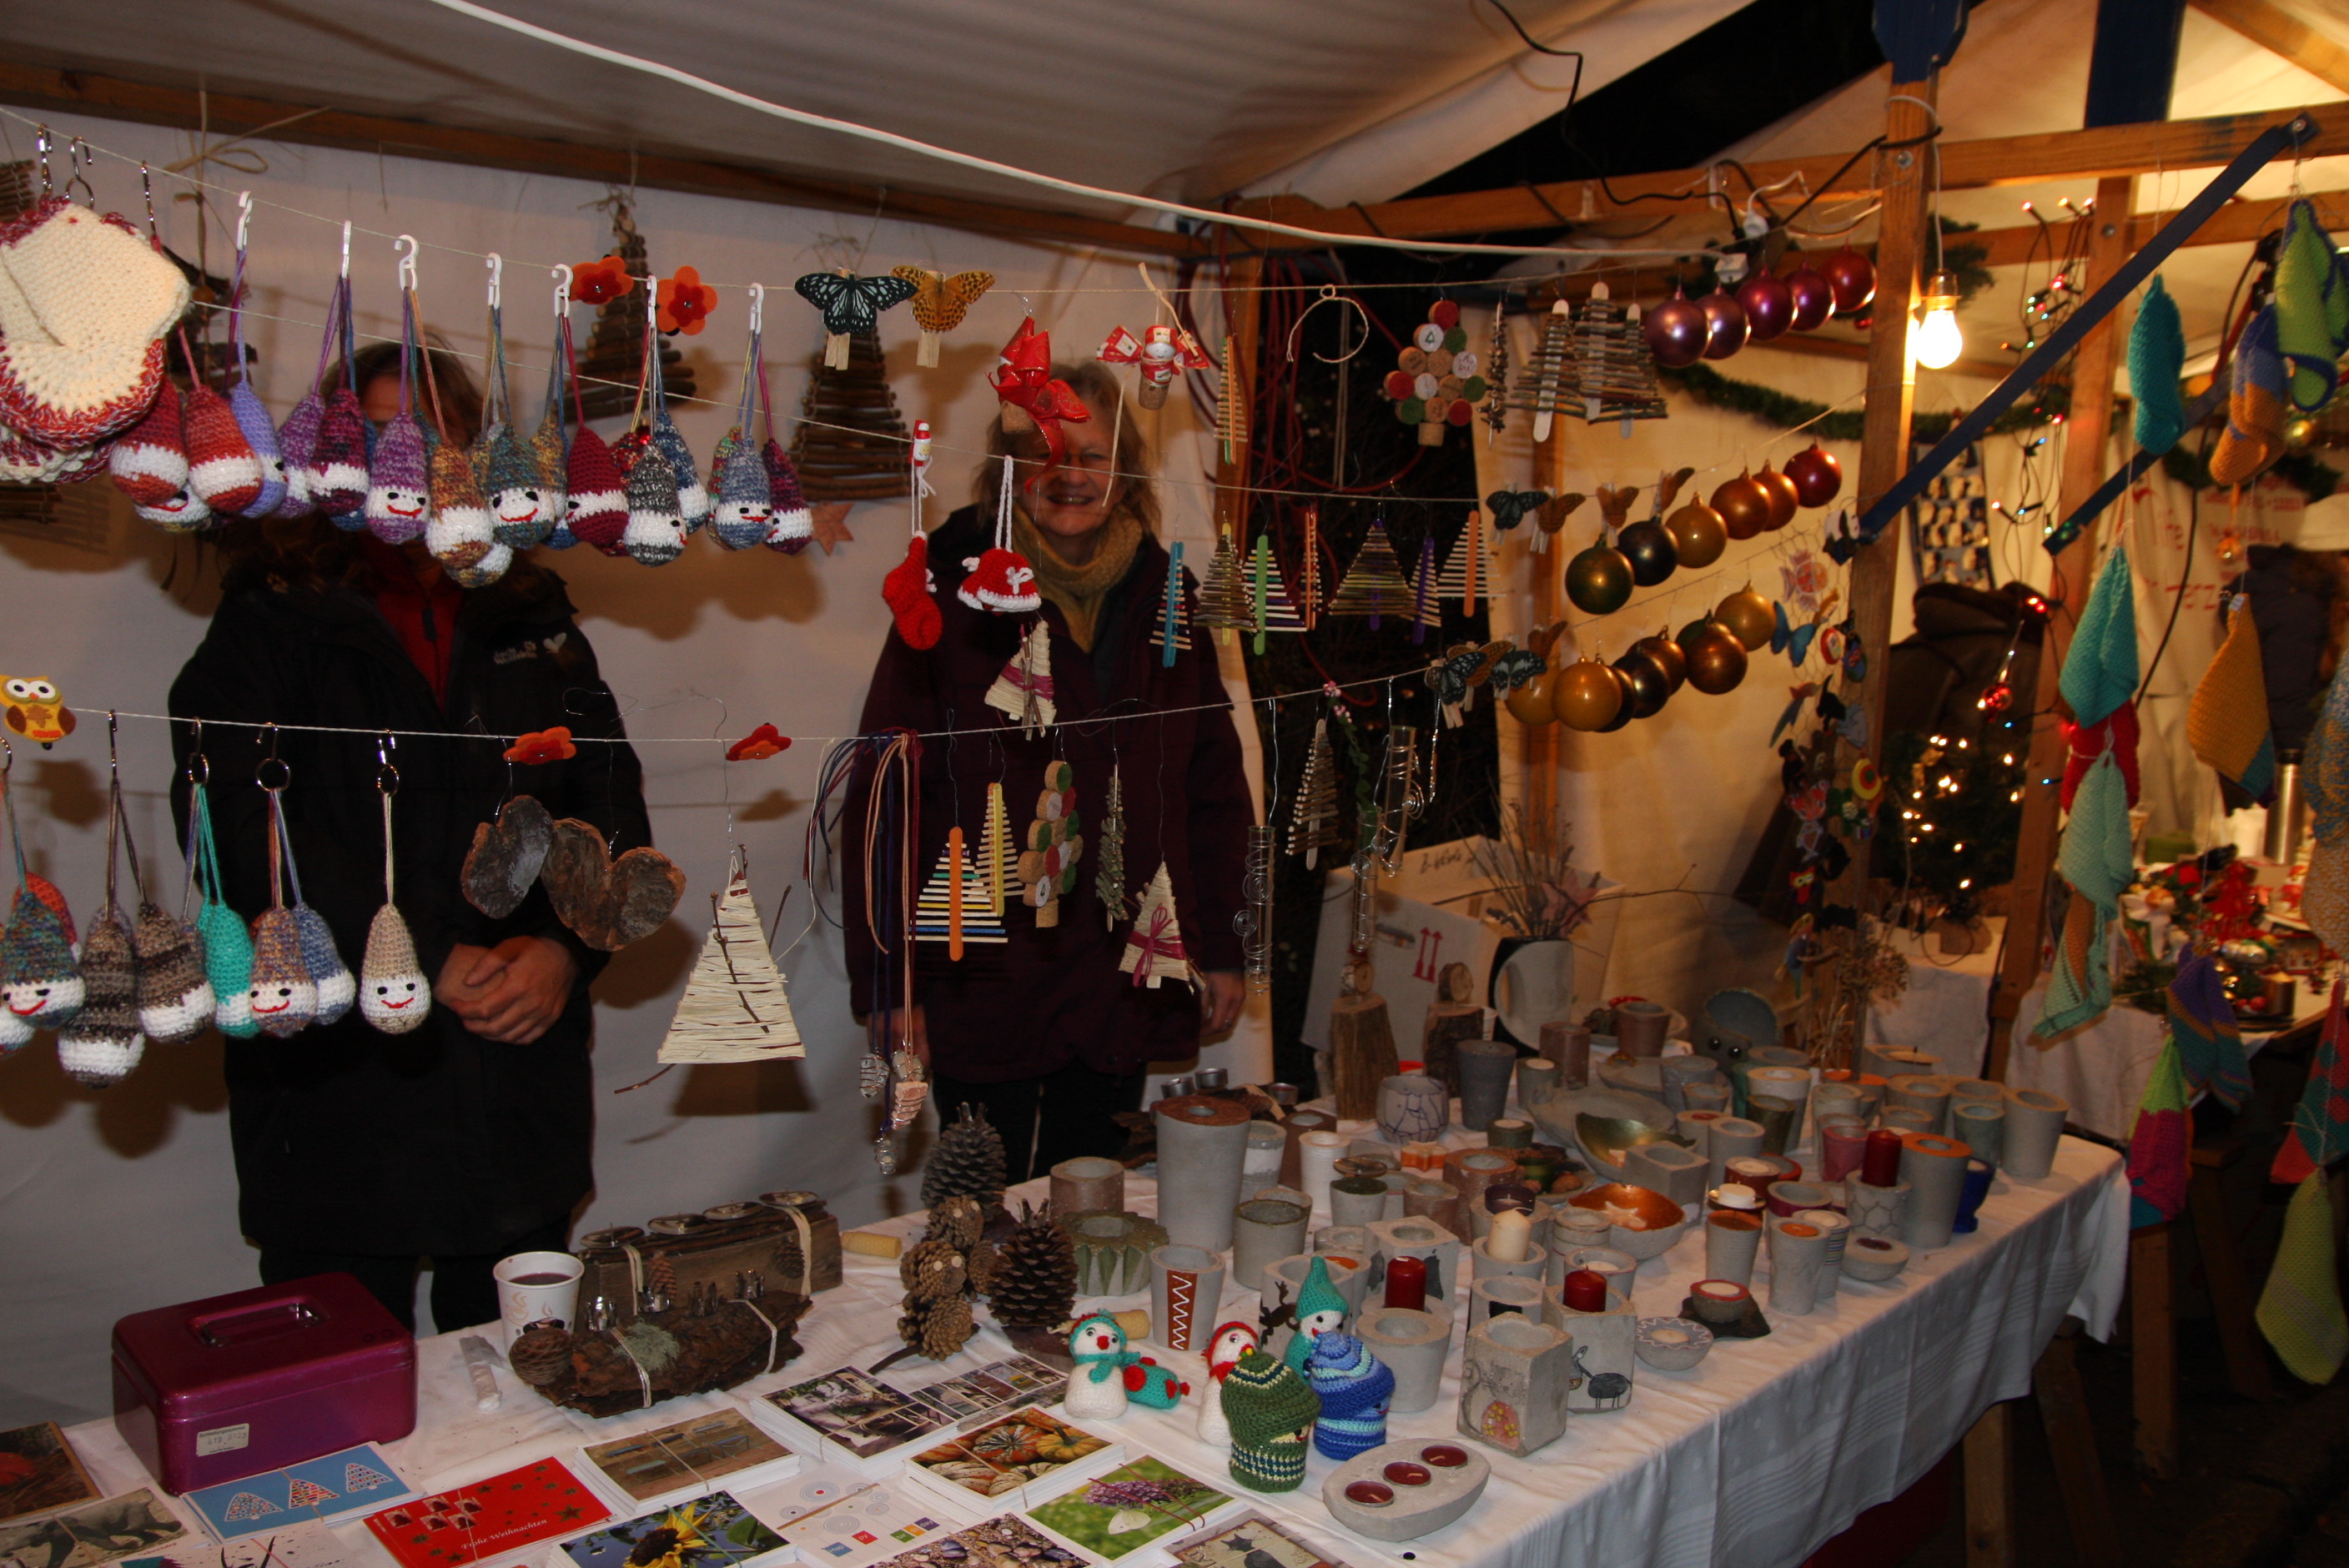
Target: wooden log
{"points": [[1452, 1018], [1362, 1045], [1989, 1491]]}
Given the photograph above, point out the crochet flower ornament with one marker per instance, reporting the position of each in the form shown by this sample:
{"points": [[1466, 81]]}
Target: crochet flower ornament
{"points": [[541, 746]]}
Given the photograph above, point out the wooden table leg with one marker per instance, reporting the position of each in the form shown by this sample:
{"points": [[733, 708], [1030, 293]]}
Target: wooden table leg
{"points": [[2153, 1346], [2222, 1268], [1989, 1491], [2064, 1412]]}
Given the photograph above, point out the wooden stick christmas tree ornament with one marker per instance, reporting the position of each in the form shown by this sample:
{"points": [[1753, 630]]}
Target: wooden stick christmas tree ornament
{"points": [[1374, 584], [1023, 691], [1173, 631], [1313, 819], [954, 907], [735, 1007], [998, 858]]}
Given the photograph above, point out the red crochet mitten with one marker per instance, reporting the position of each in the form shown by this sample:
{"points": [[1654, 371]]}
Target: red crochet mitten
{"points": [[907, 591]]}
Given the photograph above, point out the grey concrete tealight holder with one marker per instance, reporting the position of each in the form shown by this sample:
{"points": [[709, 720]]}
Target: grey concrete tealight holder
{"points": [[1202, 1145], [1355, 1244], [1681, 1071], [1414, 1343], [1402, 1491], [1641, 1028], [1568, 1044], [1264, 1231], [2035, 1126], [1905, 1118], [1713, 1094], [1606, 1352], [1514, 1293], [1318, 1154], [1186, 1296], [1618, 1268], [1875, 1211], [1980, 1126], [1427, 1199], [1798, 1253], [1358, 1201], [1935, 1170], [1484, 1266], [1922, 1092], [1514, 1380], [1268, 1147], [1430, 1242], [1538, 1079], [1574, 1229], [1678, 1173], [1509, 1132], [1485, 1069], [1731, 1242], [1733, 1138], [1838, 1233], [1089, 1183], [1976, 1088]]}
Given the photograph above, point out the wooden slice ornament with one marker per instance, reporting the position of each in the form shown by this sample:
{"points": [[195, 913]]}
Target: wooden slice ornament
{"points": [[1436, 384], [1048, 867]]}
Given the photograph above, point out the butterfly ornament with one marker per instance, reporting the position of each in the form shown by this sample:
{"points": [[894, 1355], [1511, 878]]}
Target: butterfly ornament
{"points": [[1160, 351], [850, 304], [1033, 399], [940, 302], [1510, 508]]}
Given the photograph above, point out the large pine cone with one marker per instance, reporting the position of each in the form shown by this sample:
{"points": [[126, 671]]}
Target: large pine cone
{"points": [[540, 1356], [966, 1159], [937, 1328], [1034, 1283]]}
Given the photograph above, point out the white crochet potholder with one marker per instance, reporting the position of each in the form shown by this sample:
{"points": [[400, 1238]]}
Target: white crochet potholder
{"points": [[85, 301], [28, 462]]}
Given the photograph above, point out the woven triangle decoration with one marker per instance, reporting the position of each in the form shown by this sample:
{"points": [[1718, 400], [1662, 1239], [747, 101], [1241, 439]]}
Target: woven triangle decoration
{"points": [[1374, 584], [1108, 876], [2159, 1141], [1544, 385], [2299, 1309], [1313, 820], [1464, 578], [307, 1494], [1613, 376], [735, 1007], [1023, 691], [2320, 1123], [850, 442], [1171, 630], [954, 908], [1225, 599], [999, 857], [2227, 720], [1153, 949]]}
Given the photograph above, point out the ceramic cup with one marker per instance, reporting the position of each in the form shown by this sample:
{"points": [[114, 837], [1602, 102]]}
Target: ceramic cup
{"points": [[536, 1286], [1090, 1184], [1186, 1296], [1731, 1241], [1413, 1107]]}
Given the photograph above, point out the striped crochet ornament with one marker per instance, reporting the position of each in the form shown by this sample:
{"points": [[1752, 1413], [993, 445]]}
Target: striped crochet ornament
{"points": [[461, 533], [284, 999], [596, 493], [297, 440], [1269, 1406], [175, 995], [794, 526], [40, 982], [103, 1043], [399, 483], [149, 462], [656, 530], [337, 474], [1355, 1388], [394, 994], [330, 977], [221, 467]]}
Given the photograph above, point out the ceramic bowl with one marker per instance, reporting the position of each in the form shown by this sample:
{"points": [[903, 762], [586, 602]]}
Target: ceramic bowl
{"points": [[1743, 1012], [1673, 1343], [1874, 1259], [1559, 1115], [1646, 1222]]}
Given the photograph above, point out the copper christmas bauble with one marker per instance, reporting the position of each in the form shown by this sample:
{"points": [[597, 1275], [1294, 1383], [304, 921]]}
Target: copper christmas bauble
{"points": [[1748, 615], [1698, 534], [1814, 297], [1816, 475], [1676, 331], [1852, 276], [1667, 655], [1779, 490], [1623, 713], [1716, 661], [1651, 551], [1598, 580], [1724, 323], [1648, 684], [1769, 306], [1744, 507], [1586, 694], [1529, 702]]}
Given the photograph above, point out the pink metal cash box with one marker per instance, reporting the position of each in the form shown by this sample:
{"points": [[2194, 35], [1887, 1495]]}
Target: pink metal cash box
{"points": [[216, 1390]]}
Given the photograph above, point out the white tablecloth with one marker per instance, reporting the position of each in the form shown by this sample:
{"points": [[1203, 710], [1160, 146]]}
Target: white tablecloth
{"points": [[1946, 1008], [1752, 1457]]}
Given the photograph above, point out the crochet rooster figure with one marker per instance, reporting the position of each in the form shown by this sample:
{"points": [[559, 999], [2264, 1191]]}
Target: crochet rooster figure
{"points": [[1108, 1375]]}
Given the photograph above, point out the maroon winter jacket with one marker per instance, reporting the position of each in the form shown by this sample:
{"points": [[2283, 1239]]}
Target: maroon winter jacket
{"points": [[1045, 998]]}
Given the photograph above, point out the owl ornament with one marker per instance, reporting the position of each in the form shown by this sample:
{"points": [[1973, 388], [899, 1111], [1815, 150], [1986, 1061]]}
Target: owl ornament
{"points": [[35, 711], [1160, 352], [940, 302]]}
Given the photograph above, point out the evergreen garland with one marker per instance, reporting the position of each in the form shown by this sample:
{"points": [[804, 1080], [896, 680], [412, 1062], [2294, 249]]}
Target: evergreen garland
{"points": [[1704, 385]]}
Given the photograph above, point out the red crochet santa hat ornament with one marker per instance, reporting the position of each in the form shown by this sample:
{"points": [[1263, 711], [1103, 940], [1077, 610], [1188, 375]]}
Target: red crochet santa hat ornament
{"points": [[999, 579]]}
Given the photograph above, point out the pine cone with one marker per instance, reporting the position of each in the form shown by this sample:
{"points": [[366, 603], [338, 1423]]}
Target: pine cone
{"points": [[981, 1264], [957, 1222], [540, 1356], [660, 1277], [1035, 1276], [932, 1270], [966, 1159], [937, 1328]]}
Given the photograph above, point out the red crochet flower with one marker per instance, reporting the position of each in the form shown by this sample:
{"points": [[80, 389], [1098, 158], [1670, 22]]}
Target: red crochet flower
{"points": [[685, 301], [541, 746], [600, 282], [759, 745]]}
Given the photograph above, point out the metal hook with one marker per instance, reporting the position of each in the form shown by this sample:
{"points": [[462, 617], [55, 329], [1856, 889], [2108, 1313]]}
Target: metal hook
{"points": [[561, 292], [407, 247], [8, 756], [387, 772], [244, 215], [497, 277], [269, 731], [41, 141], [80, 160], [758, 307], [146, 189], [113, 734], [196, 758]]}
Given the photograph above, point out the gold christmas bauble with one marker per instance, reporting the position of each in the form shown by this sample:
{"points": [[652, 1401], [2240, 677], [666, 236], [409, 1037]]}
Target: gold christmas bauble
{"points": [[1744, 507], [1668, 656], [1699, 532], [1529, 703], [1783, 496], [1586, 694], [1716, 660], [1748, 614]]}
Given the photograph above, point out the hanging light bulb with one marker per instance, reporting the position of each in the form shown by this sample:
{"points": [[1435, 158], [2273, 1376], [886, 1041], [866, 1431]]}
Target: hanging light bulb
{"points": [[1939, 342]]}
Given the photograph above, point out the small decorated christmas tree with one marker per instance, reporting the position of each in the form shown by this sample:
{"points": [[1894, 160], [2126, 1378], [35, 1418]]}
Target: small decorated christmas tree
{"points": [[735, 1007], [1374, 584], [1313, 819], [1153, 949], [850, 443]]}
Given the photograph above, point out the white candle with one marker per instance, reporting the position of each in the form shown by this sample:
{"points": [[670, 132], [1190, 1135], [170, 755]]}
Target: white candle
{"points": [[1513, 1233]]}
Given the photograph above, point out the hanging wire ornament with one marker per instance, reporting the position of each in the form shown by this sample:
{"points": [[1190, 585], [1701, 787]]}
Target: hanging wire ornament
{"points": [[1108, 876], [1254, 922], [1399, 799]]}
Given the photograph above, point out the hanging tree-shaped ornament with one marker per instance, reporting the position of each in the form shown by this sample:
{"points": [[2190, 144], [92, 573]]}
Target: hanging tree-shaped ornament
{"points": [[1160, 353], [1030, 397], [1231, 408], [1313, 819], [909, 589], [609, 367], [1268, 597], [395, 994], [1000, 578], [1545, 385], [1170, 632], [954, 907], [1109, 873], [1047, 868], [1427, 608], [735, 1007], [1024, 690], [1613, 374], [1497, 375], [940, 302], [1462, 579], [851, 306], [850, 442], [1374, 583], [999, 855], [1438, 379], [1226, 602], [1153, 949]]}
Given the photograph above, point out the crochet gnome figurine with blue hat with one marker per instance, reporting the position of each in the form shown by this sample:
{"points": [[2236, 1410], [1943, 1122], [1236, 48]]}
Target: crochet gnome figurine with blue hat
{"points": [[1320, 1310], [1355, 1388], [1108, 1375]]}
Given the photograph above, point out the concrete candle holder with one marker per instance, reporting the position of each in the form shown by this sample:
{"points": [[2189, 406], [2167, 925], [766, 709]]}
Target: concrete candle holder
{"points": [[1401, 1491], [1414, 1343], [1515, 1377], [1425, 1240], [1874, 1259], [1673, 1343], [1606, 1351]]}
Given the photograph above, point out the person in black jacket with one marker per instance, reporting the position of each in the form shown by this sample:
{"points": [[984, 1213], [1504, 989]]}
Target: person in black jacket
{"points": [[469, 1138]]}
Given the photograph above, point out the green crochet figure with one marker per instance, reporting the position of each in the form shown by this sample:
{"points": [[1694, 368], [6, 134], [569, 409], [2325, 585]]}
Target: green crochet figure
{"points": [[1270, 1408], [1320, 1310]]}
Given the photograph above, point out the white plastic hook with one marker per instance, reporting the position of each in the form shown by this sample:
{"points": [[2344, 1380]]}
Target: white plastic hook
{"points": [[407, 247], [244, 218], [562, 290], [497, 277], [758, 307], [347, 250]]}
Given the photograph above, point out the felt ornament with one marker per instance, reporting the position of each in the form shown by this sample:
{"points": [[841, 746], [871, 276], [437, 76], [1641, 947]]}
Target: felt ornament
{"points": [[1048, 867], [745, 506], [103, 1043], [297, 441], [183, 513], [2100, 667], [507, 856], [1108, 1375], [1268, 1407], [1373, 585], [1170, 628], [954, 908], [759, 745], [541, 747], [336, 988], [510, 480], [1355, 1387], [1153, 951], [1160, 353], [1030, 399], [596, 496], [394, 996], [24, 461], [735, 1007], [1109, 873], [336, 476], [940, 302], [601, 283], [2094, 857], [149, 462], [35, 709], [2227, 720], [1024, 690], [260, 435], [850, 305], [683, 303], [225, 942], [82, 318], [1000, 578], [1438, 379], [692, 497], [607, 902]]}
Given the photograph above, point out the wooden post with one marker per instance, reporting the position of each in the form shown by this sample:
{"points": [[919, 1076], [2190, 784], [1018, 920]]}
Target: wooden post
{"points": [[2222, 1271], [1362, 1042], [2153, 1350], [2072, 1444], [2086, 463], [1452, 1018], [1540, 804], [1989, 1491]]}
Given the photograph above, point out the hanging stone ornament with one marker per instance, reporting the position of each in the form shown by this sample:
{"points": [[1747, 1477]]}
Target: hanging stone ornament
{"points": [[1153, 949], [1047, 868], [735, 1007], [1438, 379], [1109, 875], [1374, 584], [1313, 819], [1545, 386], [940, 302], [1170, 631], [1024, 690], [954, 907]]}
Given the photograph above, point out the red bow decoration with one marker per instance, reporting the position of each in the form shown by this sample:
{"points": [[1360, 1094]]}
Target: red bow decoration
{"points": [[1155, 945], [600, 282], [685, 302], [1023, 379], [541, 746], [759, 745]]}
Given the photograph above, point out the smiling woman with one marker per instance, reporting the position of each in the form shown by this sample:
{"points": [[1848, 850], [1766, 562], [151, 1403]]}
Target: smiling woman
{"points": [[1042, 1030]]}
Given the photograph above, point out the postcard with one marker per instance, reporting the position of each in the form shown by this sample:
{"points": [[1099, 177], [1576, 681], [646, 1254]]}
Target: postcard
{"points": [[40, 1472], [132, 1525], [704, 1449], [471, 1523], [1252, 1541], [713, 1531], [1130, 1507], [1009, 1452], [351, 1482]]}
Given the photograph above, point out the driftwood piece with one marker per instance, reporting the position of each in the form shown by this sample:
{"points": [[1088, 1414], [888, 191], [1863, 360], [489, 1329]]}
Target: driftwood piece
{"points": [[1362, 1045], [701, 1345], [1452, 1018]]}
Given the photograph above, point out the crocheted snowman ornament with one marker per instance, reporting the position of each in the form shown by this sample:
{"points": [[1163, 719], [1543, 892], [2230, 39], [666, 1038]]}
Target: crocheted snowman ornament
{"points": [[82, 316], [1320, 1310]]}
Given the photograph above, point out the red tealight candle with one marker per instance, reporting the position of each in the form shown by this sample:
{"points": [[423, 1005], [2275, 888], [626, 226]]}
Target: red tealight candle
{"points": [[1407, 1282], [1585, 1291], [1879, 1166]]}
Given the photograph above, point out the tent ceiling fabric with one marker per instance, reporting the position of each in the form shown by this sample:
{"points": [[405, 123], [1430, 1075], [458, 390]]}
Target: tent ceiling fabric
{"points": [[1189, 101]]}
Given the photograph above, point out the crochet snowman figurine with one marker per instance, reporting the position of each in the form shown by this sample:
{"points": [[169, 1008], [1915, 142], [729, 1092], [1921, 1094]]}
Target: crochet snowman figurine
{"points": [[1320, 1310], [1232, 1340], [1108, 1375]]}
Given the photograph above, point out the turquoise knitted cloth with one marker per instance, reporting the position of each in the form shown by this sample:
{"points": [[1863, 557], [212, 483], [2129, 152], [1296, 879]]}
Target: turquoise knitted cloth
{"points": [[2100, 667], [2096, 859], [2157, 360]]}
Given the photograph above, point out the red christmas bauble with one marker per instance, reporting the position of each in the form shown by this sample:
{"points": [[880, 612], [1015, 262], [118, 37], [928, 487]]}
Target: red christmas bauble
{"points": [[1852, 276], [1676, 331], [1725, 323], [1814, 297], [1744, 506], [1816, 475], [1783, 498], [1769, 305]]}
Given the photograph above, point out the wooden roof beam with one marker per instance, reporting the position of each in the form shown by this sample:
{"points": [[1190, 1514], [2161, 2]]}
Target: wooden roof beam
{"points": [[40, 90], [2275, 29]]}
